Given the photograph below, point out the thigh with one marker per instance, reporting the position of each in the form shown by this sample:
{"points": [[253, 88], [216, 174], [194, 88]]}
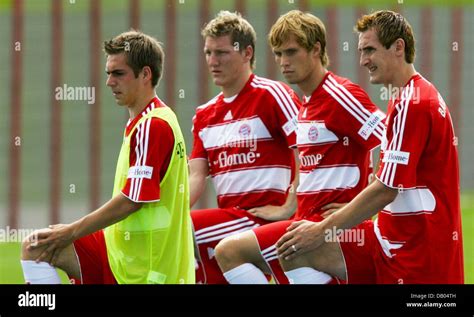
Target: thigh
{"points": [[91, 252], [359, 260], [267, 237]]}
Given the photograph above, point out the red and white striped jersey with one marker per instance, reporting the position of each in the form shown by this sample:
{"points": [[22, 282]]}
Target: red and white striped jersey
{"points": [[151, 146], [246, 140], [422, 226], [338, 126]]}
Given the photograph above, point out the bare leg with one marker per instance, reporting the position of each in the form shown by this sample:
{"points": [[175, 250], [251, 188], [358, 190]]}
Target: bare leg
{"points": [[327, 258], [67, 259], [239, 249]]}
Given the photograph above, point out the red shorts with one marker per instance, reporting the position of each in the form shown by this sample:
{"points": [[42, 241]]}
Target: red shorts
{"points": [[267, 236], [210, 227], [93, 261], [360, 257]]}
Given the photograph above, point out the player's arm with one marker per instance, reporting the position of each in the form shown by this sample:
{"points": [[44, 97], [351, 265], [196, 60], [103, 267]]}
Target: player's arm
{"points": [[307, 235], [62, 235], [198, 172], [285, 211]]}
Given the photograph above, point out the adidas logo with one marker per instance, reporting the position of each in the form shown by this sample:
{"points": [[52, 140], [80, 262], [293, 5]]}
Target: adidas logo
{"points": [[211, 253], [228, 116]]}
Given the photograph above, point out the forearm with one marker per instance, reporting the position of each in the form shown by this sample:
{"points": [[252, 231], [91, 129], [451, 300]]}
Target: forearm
{"points": [[197, 184], [371, 200], [116, 209]]}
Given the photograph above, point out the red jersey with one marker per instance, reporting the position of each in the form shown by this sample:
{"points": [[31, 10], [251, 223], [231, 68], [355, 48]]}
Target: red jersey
{"points": [[151, 146], [246, 140], [421, 228], [337, 127]]}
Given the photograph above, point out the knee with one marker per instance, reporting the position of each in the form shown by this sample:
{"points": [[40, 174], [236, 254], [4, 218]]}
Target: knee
{"points": [[227, 252], [300, 261], [26, 252]]}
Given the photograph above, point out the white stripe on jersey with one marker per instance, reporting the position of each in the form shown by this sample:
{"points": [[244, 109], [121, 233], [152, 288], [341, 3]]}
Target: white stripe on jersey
{"points": [[386, 245], [141, 152], [245, 181], [329, 178], [412, 201], [229, 132], [280, 94], [351, 104], [388, 173]]}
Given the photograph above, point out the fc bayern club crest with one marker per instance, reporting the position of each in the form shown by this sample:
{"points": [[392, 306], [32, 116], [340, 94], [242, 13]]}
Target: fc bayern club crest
{"points": [[244, 130], [313, 133]]}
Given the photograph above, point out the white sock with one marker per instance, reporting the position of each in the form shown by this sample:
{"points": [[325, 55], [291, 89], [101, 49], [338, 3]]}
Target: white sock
{"points": [[307, 275], [246, 273], [39, 273]]}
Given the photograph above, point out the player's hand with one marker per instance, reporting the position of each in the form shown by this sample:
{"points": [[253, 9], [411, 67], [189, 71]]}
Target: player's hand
{"points": [[271, 213], [331, 208], [301, 237], [53, 240]]}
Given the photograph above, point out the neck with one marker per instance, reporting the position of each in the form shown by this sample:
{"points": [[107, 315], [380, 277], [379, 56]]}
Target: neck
{"points": [[140, 103], [309, 85], [237, 85], [402, 76]]}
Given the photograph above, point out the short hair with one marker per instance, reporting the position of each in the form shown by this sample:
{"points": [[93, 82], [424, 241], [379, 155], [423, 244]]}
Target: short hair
{"points": [[233, 24], [389, 26], [140, 50], [305, 27]]}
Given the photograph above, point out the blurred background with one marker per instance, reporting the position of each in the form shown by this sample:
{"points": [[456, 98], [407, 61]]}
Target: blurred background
{"points": [[58, 157]]}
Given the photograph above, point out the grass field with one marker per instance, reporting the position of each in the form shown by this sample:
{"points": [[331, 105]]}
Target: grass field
{"points": [[11, 273]]}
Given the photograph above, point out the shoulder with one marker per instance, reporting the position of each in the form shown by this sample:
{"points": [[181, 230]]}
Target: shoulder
{"points": [[208, 105], [270, 87], [343, 87], [153, 129]]}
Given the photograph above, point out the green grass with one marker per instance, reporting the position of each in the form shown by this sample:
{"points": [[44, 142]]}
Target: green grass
{"points": [[11, 273]]}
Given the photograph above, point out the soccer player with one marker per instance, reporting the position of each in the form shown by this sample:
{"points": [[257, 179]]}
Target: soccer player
{"points": [[148, 231], [338, 126], [242, 139], [417, 235]]}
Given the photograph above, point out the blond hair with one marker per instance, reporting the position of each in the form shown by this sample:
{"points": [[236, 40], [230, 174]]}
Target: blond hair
{"points": [[304, 27], [239, 29], [140, 50]]}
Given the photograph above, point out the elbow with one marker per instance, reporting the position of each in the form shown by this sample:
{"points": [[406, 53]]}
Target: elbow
{"points": [[131, 207], [386, 194]]}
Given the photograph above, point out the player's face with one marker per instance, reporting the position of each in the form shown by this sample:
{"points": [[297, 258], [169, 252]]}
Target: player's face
{"points": [[121, 79], [226, 63], [379, 61], [296, 62]]}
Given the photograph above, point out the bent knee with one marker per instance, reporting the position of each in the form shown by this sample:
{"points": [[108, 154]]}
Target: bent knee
{"points": [[26, 252], [226, 251]]}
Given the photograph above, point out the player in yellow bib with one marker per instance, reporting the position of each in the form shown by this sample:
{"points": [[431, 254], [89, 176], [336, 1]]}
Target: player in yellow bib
{"points": [[143, 234]]}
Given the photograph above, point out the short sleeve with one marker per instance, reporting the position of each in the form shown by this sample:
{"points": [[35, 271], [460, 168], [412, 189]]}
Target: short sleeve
{"points": [[151, 148], [287, 105], [407, 134], [198, 151], [363, 121]]}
